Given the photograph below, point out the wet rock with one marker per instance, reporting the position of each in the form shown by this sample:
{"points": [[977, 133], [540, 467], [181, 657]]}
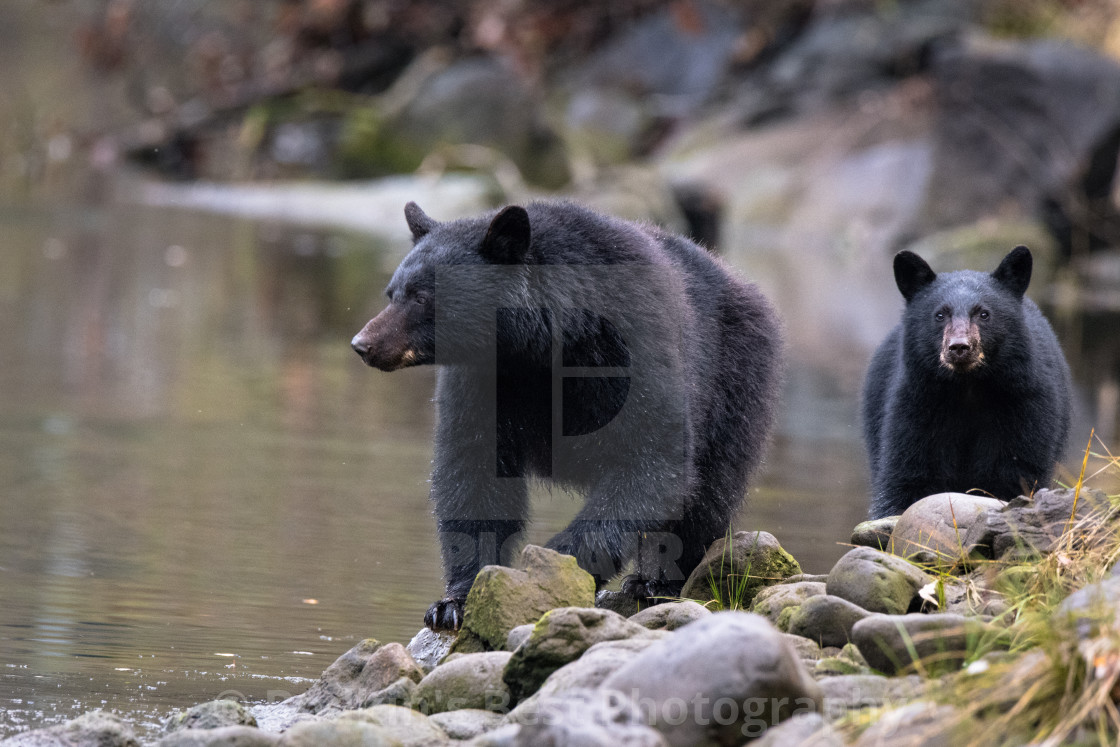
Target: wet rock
{"points": [[739, 569], [1091, 607], [933, 530], [559, 637], [94, 728], [211, 715], [875, 533], [465, 681], [338, 731], [921, 723], [941, 642], [400, 725], [359, 676], [670, 616], [615, 601], [1033, 525], [802, 729], [503, 598], [466, 723], [597, 663], [428, 647], [856, 691], [727, 657], [597, 718], [226, 736], [770, 602], [876, 581], [826, 619]]}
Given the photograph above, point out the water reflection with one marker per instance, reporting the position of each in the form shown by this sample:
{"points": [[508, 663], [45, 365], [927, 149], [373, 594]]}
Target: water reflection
{"points": [[189, 452]]}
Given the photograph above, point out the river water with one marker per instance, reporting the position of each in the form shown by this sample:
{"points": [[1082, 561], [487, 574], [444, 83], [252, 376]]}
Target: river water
{"points": [[204, 493]]}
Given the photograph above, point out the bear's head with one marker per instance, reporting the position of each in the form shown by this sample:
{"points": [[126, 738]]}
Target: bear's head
{"points": [[468, 253], [963, 322]]}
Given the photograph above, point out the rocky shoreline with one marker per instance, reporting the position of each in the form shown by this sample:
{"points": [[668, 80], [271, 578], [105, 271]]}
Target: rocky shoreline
{"points": [[948, 622]]}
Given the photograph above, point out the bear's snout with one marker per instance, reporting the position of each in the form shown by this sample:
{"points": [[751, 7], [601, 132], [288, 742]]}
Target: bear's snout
{"points": [[960, 346], [384, 342]]}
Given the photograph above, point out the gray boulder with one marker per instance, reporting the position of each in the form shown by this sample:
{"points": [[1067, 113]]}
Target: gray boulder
{"points": [[804, 729], [1091, 607], [826, 619], [582, 717], [726, 659], [875, 533], [559, 637], [211, 715], [770, 602], [467, 723], [1033, 525], [937, 643], [400, 725], [465, 681], [922, 723], [225, 736], [735, 569], [428, 647], [337, 731], [876, 581], [517, 636], [503, 598], [851, 692], [933, 530], [670, 616], [360, 676], [96, 728]]}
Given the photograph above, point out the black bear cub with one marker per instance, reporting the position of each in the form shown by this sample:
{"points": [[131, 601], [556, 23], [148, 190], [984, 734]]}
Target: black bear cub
{"points": [[969, 392], [604, 355]]}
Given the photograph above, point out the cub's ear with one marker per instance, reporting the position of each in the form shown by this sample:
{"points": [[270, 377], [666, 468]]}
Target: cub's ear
{"points": [[911, 274], [1014, 272], [418, 221], [507, 239]]}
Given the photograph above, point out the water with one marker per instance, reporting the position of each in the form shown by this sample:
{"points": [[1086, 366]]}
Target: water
{"points": [[204, 492]]}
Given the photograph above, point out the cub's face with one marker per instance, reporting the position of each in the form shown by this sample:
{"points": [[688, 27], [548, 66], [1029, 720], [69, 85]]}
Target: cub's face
{"points": [[403, 334]]}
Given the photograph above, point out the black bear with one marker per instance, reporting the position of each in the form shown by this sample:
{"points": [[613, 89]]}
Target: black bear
{"points": [[608, 356], [969, 392]]}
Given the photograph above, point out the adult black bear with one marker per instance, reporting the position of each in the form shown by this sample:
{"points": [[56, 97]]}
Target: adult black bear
{"points": [[969, 392], [606, 355]]}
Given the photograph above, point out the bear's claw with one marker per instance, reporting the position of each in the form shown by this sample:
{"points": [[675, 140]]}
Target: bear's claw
{"points": [[446, 614], [649, 591]]}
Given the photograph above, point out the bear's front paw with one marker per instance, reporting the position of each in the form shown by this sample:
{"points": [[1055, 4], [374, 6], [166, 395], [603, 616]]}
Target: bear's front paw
{"points": [[650, 591], [446, 614]]}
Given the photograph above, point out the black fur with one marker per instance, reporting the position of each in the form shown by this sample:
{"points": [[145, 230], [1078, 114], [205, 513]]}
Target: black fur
{"points": [[661, 425], [969, 392]]}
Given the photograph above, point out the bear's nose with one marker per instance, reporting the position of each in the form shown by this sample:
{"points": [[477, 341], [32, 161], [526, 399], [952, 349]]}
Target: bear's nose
{"points": [[361, 347], [959, 345]]}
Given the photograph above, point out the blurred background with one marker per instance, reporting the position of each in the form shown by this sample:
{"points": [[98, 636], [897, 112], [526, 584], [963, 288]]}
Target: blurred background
{"points": [[204, 491]]}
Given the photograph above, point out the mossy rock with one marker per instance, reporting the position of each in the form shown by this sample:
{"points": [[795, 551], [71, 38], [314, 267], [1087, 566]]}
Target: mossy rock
{"points": [[735, 569]]}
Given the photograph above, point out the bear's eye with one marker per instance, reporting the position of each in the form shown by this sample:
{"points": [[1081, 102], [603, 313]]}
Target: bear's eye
{"points": [[421, 298], [939, 316], [983, 315]]}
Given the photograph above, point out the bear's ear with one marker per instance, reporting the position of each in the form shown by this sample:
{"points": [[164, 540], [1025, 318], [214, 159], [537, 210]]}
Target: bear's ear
{"points": [[1014, 272], [911, 274], [418, 221], [507, 239]]}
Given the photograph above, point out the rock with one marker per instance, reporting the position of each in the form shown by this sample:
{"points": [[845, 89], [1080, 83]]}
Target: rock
{"points": [[465, 681], [855, 691], [1034, 525], [428, 647], [559, 637], [807, 650], [802, 729], [939, 642], [875, 533], [503, 598], [615, 601], [1091, 608], [739, 569], [338, 731], [603, 718], [922, 723], [726, 658], [359, 676], [96, 728], [770, 602], [670, 616], [826, 619], [226, 736], [517, 636], [876, 581], [933, 529], [805, 578], [211, 715], [466, 723], [848, 661], [400, 725]]}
